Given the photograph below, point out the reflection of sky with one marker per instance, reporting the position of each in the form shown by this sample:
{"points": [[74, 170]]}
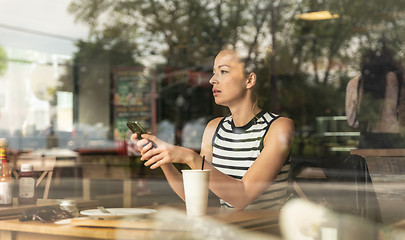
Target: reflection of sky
{"points": [[46, 26], [40, 16], [21, 106], [42, 34]]}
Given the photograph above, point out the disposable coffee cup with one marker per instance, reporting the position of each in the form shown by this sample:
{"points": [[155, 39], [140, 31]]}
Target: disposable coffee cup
{"points": [[196, 191]]}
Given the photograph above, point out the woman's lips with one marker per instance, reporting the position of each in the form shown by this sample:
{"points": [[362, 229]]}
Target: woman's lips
{"points": [[215, 92]]}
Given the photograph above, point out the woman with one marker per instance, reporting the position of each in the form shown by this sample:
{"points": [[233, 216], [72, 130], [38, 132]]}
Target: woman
{"points": [[247, 152], [372, 100]]}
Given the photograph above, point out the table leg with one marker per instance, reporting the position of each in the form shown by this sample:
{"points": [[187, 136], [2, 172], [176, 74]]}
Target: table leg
{"points": [[127, 193], [86, 188]]}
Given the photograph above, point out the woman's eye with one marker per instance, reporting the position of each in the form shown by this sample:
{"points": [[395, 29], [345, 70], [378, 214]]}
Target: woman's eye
{"points": [[223, 71]]}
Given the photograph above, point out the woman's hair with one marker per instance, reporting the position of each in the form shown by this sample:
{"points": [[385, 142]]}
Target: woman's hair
{"points": [[247, 67], [375, 65]]}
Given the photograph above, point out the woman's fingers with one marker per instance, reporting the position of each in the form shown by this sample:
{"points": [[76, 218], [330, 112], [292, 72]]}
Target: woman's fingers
{"points": [[150, 137], [153, 160], [134, 137], [157, 159], [154, 151], [156, 165], [141, 143], [144, 146], [147, 151], [159, 162]]}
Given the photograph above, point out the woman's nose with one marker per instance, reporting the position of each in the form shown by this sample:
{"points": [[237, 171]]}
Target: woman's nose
{"points": [[213, 80]]}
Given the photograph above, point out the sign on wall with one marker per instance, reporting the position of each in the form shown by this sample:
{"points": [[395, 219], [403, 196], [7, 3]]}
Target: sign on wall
{"points": [[134, 99]]}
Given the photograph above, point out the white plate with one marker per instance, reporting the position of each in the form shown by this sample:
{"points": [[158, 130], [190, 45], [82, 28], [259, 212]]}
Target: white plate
{"points": [[118, 212]]}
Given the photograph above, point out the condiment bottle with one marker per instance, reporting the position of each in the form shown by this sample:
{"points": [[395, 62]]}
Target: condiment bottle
{"points": [[27, 185], [6, 182]]}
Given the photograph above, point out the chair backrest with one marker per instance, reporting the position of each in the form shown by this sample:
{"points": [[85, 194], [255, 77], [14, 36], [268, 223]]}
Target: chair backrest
{"points": [[44, 164]]}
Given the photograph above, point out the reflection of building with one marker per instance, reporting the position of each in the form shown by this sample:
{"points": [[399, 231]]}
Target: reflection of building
{"points": [[191, 78]]}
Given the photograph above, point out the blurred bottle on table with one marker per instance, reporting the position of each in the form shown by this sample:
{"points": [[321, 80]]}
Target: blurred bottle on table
{"points": [[70, 206], [6, 182], [27, 181]]}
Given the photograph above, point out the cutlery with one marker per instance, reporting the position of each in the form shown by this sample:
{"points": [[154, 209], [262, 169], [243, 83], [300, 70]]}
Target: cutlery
{"points": [[103, 210]]}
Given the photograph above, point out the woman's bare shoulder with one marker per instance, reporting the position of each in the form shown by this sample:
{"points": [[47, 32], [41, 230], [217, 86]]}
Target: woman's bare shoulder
{"points": [[282, 129], [213, 124], [206, 148], [283, 123]]}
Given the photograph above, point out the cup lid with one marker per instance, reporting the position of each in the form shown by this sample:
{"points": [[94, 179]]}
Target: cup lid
{"points": [[196, 170]]}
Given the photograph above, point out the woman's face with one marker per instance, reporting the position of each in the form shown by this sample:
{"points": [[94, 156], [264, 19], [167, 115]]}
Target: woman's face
{"points": [[228, 80]]}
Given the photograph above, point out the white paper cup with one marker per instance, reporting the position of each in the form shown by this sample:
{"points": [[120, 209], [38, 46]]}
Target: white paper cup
{"points": [[196, 191]]}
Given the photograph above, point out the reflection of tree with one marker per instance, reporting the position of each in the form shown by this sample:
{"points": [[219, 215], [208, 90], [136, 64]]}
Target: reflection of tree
{"points": [[309, 60], [186, 33], [181, 103], [314, 60]]}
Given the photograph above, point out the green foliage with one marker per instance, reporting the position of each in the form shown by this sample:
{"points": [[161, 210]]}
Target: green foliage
{"points": [[185, 32], [305, 64]]}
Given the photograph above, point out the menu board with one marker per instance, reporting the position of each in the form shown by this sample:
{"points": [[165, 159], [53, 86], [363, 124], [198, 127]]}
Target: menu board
{"points": [[134, 90]]}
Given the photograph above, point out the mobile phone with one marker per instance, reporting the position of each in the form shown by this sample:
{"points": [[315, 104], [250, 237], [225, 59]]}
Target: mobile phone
{"points": [[137, 128]]}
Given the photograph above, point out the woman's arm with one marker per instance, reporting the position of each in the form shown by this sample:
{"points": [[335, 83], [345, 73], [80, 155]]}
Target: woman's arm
{"points": [[351, 101], [239, 193], [391, 95], [169, 154], [172, 175], [174, 178]]}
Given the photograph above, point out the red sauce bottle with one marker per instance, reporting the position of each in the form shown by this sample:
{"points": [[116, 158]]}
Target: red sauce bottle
{"points": [[6, 182], [27, 181]]}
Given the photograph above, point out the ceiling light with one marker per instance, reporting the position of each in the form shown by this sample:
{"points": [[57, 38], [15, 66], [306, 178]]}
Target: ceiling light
{"points": [[320, 15]]}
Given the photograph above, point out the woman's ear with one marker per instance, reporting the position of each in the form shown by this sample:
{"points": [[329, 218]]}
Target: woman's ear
{"points": [[251, 80]]}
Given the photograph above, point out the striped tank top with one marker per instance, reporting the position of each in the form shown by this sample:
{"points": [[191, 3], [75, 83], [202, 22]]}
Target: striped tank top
{"points": [[236, 148]]}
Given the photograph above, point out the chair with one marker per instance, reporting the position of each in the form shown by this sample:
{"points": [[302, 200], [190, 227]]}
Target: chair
{"points": [[350, 171], [44, 164]]}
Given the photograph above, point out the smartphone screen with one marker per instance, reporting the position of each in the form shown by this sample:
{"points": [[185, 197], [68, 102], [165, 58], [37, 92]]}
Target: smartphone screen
{"points": [[136, 127]]}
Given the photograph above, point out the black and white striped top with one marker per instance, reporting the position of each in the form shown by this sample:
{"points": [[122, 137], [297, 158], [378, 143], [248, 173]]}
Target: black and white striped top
{"points": [[236, 148]]}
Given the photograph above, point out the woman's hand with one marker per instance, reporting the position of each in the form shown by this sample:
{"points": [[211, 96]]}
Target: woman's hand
{"points": [[156, 152]]}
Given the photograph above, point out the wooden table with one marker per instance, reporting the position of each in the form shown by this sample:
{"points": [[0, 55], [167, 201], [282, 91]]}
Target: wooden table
{"points": [[16, 210], [387, 171], [383, 161], [238, 222]]}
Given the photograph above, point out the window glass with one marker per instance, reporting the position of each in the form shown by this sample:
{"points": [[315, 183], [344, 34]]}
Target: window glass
{"points": [[74, 72]]}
